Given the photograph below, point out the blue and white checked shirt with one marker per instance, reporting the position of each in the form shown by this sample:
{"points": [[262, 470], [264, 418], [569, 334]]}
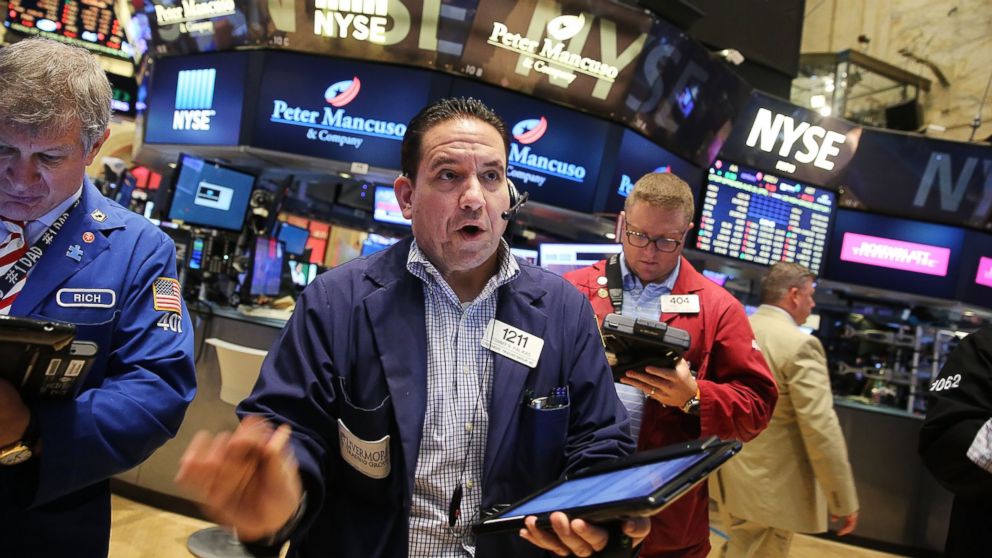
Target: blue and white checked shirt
{"points": [[641, 301], [459, 383]]}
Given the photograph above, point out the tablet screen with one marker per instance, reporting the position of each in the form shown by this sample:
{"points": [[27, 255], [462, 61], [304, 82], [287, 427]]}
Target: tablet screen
{"points": [[612, 486]]}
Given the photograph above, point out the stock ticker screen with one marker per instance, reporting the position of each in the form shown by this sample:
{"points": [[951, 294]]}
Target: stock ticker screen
{"points": [[90, 24], [757, 217]]}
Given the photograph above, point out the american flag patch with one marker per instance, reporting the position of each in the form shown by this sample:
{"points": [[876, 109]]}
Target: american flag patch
{"points": [[167, 295]]}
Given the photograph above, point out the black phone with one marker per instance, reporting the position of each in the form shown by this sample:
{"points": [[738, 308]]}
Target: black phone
{"points": [[638, 342], [42, 358]]}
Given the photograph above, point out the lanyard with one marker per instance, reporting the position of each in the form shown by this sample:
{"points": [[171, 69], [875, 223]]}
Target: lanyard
{"points": [[19, 269], [614, 282]]}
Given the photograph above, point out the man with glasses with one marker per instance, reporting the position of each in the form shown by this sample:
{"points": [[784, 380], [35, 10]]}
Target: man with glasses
{"points": [[723, 386]]}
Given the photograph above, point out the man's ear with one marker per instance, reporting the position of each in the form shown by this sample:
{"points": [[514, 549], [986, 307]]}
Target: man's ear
{"points": [[88, 157], [403, 188]]}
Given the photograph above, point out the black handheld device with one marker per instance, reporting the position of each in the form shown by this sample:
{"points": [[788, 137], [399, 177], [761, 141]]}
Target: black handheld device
{"points": [[42, 359], [637, 342], [638, 485]]}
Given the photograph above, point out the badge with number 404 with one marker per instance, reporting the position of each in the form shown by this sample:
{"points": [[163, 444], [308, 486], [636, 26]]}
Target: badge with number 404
{"points": [[513, 343], [171, 322]]}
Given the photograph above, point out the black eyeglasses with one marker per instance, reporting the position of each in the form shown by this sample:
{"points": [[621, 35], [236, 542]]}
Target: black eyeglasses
{"points": [[641, 240]]}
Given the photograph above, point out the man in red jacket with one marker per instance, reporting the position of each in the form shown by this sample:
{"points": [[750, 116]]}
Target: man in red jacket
{"points": [[723, 386]]}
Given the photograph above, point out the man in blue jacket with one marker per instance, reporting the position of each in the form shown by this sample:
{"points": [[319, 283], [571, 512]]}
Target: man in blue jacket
{"points": [[101, 267], [405, 384]]}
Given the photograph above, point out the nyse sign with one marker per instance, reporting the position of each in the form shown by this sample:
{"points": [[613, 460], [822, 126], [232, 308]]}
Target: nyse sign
{"points": [[819, 146], [974, 177]]}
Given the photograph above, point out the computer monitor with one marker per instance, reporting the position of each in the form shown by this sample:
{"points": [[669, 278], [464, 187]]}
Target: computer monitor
{"points": [[386, 208], [302, 273], [266, 267], [562, 258], [294, 237], [750, 215], [208, 194], [525, 254], [376, 243]]}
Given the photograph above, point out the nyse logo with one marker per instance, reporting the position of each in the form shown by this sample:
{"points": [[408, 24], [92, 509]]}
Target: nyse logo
{"points": [[818, 144], [194, 100], [952, 191], [362, 20]]}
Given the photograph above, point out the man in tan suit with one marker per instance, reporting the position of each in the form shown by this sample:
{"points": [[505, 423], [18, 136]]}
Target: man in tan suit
{"points": [[776, 486]]}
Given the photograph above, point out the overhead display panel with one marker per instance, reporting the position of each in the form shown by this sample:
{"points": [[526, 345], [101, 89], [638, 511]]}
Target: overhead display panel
{"points": [[555, 153], [638, 156], [976, 269], [197, 100], [337, 109], [749, 215], [895, 254], [90, 24], [774, 134]]}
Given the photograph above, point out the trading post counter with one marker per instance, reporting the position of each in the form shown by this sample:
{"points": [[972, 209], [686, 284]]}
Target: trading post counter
{"points": [[152, 481]]}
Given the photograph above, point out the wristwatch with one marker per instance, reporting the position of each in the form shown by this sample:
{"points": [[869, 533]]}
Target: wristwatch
{"points": [[23, 449], [691, 407]]}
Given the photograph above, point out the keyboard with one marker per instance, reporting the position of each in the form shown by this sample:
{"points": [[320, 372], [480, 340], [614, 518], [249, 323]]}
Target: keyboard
{"points": [[266, 312]]}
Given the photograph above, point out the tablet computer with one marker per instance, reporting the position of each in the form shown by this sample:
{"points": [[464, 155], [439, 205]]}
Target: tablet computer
{"points": [[42, 359], [638, 485], [638, 342]]}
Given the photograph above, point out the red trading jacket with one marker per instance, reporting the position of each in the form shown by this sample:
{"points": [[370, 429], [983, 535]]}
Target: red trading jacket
{"points": [[737, 395]]}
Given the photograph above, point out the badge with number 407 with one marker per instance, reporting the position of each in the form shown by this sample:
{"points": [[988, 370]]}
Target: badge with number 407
{"points": [[171, 322]]}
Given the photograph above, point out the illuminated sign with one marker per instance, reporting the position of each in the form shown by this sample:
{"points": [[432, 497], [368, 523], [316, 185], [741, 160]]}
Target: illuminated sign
{"points": [[91, 24], [895, 254], [362, 20], [952, 192], [818, 145], [529, 131], [984, 275], [194, 99], [189, 13]]}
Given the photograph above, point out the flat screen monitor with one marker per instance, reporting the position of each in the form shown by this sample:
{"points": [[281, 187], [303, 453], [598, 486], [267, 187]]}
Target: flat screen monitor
{"points": [[266, 267], [377, 243], [357, 196], [976, 269], [207, 194], [562, 258], [895, 254], [302, 273], [638, 156], [529, 256], [750, 215], [91, 24], [294, 237], [386, 208]]}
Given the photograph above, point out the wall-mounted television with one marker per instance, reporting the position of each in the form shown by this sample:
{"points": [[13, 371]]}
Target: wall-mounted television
{"points": [[209, 194], [561, 258], [638, 156], [895, 254], [91, 24], [750, 215], [386, 209], [294, 237]]}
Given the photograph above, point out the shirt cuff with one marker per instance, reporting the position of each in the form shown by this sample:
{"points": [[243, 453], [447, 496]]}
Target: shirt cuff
{"points": [[980, 451]]}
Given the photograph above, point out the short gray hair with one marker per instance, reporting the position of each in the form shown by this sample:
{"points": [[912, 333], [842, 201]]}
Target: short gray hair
{"points": [[782, 277], [48, 86]]}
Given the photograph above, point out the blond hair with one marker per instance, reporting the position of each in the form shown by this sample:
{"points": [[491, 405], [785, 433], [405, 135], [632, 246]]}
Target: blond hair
{"points": [[662, 190]]}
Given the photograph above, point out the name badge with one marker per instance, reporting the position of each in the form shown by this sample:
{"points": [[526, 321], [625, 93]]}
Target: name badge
{"points": [[368, 458], [86, 298], [513, 343], [680, 304]]}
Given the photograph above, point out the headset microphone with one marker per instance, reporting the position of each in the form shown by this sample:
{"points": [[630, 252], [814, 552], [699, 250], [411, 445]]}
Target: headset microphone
{"points": [[516, 201]]}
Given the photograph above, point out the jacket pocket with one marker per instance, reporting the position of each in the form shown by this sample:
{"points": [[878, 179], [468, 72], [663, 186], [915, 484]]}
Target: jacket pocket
{"points": [[544, 433], [367, 448]]}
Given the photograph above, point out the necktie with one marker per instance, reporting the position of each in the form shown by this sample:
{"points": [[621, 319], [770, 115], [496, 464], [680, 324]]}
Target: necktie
{"points": [[12, 249]]}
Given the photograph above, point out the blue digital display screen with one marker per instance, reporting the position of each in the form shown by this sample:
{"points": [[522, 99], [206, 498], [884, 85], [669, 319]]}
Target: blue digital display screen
{"points": [[895, 254], [294, 237], [377, 243], [197, 100], [555, 153], [266, 267], [753, 216], [210, 195], [639, 156], [337, 109]]}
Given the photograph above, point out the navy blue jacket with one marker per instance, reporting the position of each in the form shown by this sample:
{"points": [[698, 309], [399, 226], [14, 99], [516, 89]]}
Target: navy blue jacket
{"points": [[355, 351], [133, 398]]}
